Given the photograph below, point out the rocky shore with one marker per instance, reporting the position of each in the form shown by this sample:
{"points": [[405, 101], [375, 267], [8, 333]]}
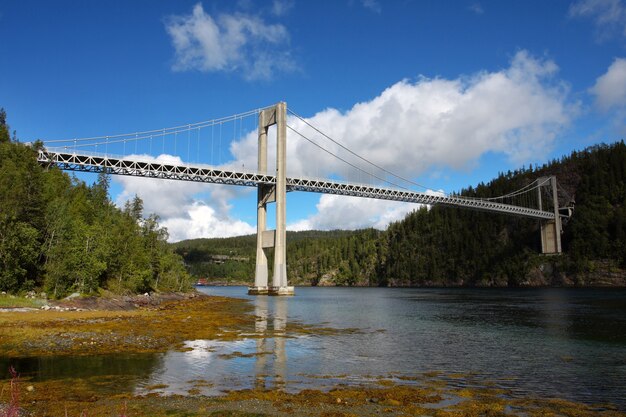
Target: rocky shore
{"points": [[162, 322]]}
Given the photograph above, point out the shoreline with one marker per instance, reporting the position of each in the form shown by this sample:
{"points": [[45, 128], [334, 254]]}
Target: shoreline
{"points": [[427, 395], [159, 327], [121, 325], [434, 287]]}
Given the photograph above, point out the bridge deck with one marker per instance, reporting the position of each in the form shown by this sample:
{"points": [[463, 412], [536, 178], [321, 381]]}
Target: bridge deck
{"points": [[151, 169]]}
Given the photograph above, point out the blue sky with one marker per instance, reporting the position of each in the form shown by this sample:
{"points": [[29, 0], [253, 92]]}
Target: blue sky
{"points": [[447, 93]]}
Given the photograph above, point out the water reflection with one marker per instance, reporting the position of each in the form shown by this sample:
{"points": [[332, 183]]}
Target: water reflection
{"points": [[548, 343], [280, 351], [271, 353], [212, 367], [543, 342], [128, 371], [555, 312], [260, 309]]}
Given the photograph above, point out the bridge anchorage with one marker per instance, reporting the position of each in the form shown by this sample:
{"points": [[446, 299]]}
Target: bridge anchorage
{"points": [[538, 200]]}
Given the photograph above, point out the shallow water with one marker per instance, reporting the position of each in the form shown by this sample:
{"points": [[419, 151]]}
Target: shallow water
{"points": [[561, 343]]}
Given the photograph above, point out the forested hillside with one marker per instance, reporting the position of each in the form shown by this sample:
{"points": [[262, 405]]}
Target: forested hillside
{"points": [[445, 246], [59, 235], [313, 257]]}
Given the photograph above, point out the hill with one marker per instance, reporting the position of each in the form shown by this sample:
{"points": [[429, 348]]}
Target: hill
{"points": [[59, 235], [313, 257], [443, 246]]}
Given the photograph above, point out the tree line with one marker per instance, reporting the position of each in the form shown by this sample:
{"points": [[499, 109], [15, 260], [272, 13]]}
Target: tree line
{"points": [[442, 246], [60, 235]]}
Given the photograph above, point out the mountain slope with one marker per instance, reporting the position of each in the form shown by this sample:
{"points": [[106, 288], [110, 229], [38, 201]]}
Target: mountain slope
{"points": [[447, 246]]}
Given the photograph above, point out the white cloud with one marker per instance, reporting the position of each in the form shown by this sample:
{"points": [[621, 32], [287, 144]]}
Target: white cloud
{"points": [[281, 7], [610, 88], [412, 127], [351, 213], [202, 222], [178, 206], [609, 16], [167, 198], [476, 8], [372, 5], [239, 43]]}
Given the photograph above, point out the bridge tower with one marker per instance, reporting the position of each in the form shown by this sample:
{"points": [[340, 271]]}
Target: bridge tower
{"points": [[550, 229], [269, 193]]}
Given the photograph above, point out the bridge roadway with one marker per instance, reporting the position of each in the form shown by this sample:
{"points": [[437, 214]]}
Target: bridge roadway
{"points": [[73, 161]]}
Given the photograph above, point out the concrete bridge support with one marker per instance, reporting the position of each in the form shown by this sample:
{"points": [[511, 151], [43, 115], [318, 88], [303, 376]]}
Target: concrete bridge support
{"points": [[268, 193], [551, 229]]}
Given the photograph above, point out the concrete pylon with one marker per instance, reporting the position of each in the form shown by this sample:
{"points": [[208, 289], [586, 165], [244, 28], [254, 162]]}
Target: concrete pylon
{"points": [[551, 229], [276, 239]]}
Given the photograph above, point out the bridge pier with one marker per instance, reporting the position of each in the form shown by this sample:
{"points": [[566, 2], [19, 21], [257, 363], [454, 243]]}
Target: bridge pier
{"points": [[268, 193], [551, 229]]}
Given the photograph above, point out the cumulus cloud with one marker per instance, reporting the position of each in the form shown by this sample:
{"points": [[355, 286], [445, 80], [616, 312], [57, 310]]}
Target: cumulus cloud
{"points": [[239, 43], [476, 8], [609, 16], [610, 88], [432, 123], [351, 213], [203, 221], [281, 7], [410, 128], [372, 5], [177, 203], [415, 126]]}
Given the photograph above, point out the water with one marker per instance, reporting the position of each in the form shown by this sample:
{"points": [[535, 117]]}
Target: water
{"points": [[548, 342], [562, 343]]}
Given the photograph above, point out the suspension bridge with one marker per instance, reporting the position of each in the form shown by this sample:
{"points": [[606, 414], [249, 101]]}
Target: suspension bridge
{"points": [[133, 155]]}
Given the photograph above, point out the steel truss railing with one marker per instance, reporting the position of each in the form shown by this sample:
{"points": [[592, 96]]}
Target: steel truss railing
{"points": [[152, 169]]}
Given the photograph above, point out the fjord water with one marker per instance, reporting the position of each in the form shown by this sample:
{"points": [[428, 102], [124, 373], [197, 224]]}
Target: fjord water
{"points": [[563, 343]]}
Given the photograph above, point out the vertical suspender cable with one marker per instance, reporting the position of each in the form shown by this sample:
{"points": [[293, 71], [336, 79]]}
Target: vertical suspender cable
{"points": [[198, 145]]}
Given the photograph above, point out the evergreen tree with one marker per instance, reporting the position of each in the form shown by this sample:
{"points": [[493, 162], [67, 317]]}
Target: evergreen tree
{"points": [[451, 246], [58, 234], [5, 137]]}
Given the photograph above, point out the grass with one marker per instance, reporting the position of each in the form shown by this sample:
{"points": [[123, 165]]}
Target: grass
{"points": [[12, 301]]}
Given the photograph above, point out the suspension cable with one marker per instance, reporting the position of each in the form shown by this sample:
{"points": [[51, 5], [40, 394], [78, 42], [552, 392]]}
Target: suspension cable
{"points": [[522, 190], [151, 134], [512, 194], [354, 153], [169, 130], [343, 160]]}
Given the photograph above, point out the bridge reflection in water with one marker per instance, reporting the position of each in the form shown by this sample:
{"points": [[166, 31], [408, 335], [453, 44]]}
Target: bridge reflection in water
{"points": [[271, 354], [213, 367]]}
